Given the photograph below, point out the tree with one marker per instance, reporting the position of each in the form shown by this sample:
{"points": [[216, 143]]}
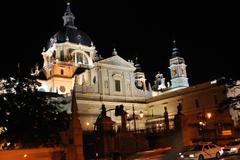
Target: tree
{"points": [[29, 118], [233, 100]]}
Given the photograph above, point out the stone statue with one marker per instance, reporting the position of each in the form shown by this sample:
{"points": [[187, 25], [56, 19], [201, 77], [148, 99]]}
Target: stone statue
{"points": [[158, 78], [166, 119], [159, 81], [104, 112], [179, 109]]}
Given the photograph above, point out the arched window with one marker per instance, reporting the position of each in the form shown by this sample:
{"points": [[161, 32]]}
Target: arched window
{"points": [[85, 60], [81, 58]]}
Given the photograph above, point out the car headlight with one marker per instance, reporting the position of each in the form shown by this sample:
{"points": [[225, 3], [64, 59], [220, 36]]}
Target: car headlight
{"points": [[234, 149], [191, 155], [182, 156], [221, 152]]}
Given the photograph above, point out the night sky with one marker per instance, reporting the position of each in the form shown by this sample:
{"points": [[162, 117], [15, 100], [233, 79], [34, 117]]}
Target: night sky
{"points": [[206, 34]]}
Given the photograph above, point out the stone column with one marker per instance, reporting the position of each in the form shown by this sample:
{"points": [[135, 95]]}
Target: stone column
{"points": [[75, 58], [105, 134], [183, 132], [178, 141]]}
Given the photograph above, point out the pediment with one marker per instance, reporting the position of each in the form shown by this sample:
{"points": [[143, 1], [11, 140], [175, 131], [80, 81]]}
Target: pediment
{"points": [[116, 61]]}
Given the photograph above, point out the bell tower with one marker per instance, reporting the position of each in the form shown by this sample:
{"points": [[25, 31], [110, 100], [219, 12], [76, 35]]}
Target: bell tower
{"points": [[178, 69]]}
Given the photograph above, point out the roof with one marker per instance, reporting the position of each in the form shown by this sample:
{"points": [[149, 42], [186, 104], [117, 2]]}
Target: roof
{"points": [[70, 34]]}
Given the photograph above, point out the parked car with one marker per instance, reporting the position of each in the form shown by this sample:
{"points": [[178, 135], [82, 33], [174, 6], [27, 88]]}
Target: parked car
{"points": [[202, 151], [232, 148]]}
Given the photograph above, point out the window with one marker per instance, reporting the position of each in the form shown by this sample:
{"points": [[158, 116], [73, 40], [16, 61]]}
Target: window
{"points": [[79, 58], [117, 86], [212, 146], [215, 99], [196, 148], [48, 59], [206, 147], [94, 79], [183, 73], [106, 84], [54, 54], [69, 56], [197, 103], [174, 72], [62, 72], [117, 80], [61, 55], [85, 60]]}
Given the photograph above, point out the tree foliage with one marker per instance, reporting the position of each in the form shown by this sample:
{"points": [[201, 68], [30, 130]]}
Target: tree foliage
{"points": [[29, 118], [233, 99], [230, 102]]}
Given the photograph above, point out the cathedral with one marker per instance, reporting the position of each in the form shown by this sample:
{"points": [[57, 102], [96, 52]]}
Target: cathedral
{"points": [[71, 61]]}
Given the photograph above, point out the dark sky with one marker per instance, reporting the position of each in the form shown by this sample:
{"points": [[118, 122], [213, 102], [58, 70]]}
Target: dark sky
{"points": [[206, 34]]}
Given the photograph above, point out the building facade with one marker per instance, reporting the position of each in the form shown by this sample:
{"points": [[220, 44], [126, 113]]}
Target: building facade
{"points": [[71, 59]]}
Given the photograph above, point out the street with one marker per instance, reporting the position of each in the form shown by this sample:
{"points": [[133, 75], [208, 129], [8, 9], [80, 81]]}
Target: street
{"points": [[166, 154], [235, 157]]}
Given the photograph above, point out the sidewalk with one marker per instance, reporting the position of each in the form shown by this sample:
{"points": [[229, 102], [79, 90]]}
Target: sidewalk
{"points": [[150, 153], [168, 153]]}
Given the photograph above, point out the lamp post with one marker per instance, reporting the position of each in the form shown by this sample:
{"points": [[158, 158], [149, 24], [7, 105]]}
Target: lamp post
{"points": [[208, 116], [134, 119], [134, 122], [203, 123]]}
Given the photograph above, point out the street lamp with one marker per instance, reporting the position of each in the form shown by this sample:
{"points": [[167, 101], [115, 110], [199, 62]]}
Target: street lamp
{"points": [[135, 117], [87, 124], [203, 123], [141, 114], [209, 115]]}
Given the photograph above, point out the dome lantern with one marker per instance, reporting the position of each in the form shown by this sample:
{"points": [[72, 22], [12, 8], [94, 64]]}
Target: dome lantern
{"points": [[68, 18]]}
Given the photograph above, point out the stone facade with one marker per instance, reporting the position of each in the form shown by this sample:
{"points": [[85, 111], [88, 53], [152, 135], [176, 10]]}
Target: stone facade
{"points": [[73, 59]]}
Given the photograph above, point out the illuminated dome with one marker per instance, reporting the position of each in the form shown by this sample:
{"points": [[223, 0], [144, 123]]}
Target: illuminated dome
{"points": [[69, 32]]}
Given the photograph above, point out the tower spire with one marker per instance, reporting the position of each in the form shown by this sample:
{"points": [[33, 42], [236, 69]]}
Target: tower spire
{"points": [[175, 50], [68, 17], [174, 43], [137, 65], [178, 68]]}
